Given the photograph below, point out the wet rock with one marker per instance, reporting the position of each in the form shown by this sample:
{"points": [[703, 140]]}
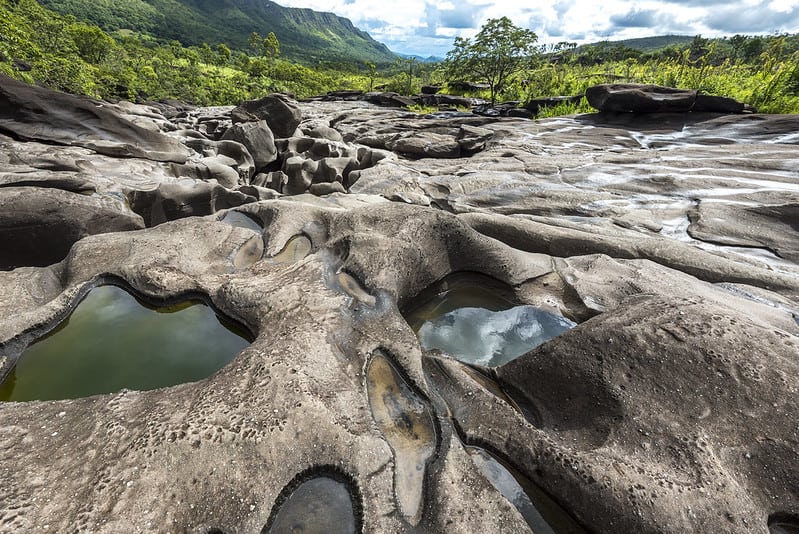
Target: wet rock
{"points": [[771, 227], [316, 506], [407, 423]]}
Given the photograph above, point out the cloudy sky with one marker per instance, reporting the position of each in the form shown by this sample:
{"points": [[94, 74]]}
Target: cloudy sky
{"points": [[427, 27]]}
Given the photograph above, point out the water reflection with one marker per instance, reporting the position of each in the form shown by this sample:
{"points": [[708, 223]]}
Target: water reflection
{"points": [[473, 318], [112, 341], [542, 513]]}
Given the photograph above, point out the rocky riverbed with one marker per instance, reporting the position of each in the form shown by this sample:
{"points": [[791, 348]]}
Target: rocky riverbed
{"points": [[670, 239]]}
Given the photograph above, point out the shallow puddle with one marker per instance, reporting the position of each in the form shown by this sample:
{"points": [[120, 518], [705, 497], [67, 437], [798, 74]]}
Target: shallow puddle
{"points": [[474, 320], [458, 290], [484, 337], [297, 248], [542, 513], [242, 220], [113, 341], [407, 423], [319, 506]]}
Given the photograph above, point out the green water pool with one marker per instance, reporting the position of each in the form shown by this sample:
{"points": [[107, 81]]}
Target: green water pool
{"points": [[114, 341]]}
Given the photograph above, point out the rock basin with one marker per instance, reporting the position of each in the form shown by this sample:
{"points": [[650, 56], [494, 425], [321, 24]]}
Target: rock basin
{"points": [[112, 341], [669, 238], [473, 318]]}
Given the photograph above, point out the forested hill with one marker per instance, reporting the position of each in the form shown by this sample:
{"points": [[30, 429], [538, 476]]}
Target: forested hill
{"points": [[653, 44], [306, 36]]}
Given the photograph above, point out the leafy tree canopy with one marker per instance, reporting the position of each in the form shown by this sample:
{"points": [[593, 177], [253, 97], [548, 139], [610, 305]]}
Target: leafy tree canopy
{"points": [[498, 51]]}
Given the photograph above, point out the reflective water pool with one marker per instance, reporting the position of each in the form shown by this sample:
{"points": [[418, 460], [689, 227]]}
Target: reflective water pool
{"points": [[114, 341], [473, 318]]}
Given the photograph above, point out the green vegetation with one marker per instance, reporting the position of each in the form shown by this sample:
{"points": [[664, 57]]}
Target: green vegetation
{"points": [[759, 70], [305, 36], [496, 53], [40, 46]]}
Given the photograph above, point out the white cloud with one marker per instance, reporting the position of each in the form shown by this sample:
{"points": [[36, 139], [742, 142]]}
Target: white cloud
{"points": [[428, 27]]}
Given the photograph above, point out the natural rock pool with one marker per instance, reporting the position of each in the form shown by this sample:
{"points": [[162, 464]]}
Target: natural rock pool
{"points": [[113, 341], [319, 505], [542, 514], [471, 319]]}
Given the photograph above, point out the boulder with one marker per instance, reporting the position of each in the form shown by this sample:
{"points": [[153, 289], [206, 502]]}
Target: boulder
{"points": [[322, 131], [640, 98], [637, 98], [281, 113], [257, 138], [718, 104], [389, 99], [344, 95]]}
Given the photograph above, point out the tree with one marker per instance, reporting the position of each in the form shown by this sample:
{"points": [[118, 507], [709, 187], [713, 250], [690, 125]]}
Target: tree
{"points": [[498, 51], [271, 46], [268, 46], [93, 44], [223, 54]]}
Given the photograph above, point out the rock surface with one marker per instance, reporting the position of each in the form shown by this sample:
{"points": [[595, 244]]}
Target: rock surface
{"points": [[638, 98], [670, 239], [34, 113]]}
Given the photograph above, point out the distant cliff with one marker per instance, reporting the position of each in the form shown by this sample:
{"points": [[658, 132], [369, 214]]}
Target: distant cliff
{"points": [[305, 35]]}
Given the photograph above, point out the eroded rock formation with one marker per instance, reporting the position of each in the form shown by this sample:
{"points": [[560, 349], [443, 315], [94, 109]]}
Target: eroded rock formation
{"points": [[671, 240]]}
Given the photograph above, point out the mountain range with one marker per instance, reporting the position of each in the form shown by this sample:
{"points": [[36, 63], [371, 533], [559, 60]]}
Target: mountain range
{"points": [[305, 36]]}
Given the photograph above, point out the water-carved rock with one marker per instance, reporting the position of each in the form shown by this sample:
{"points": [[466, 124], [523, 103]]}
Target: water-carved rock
{"points": [[407, 422]]}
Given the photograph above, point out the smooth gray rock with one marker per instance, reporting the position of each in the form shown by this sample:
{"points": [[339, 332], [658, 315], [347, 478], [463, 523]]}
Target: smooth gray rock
{"points": [[258, 139], [668, 408], [637, 98], [175, 201], [34, 113], [280, 112], [38, 226]]}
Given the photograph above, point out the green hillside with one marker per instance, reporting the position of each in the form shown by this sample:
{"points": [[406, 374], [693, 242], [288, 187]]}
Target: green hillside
{"points": [[653, 44], [306, 36]]}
